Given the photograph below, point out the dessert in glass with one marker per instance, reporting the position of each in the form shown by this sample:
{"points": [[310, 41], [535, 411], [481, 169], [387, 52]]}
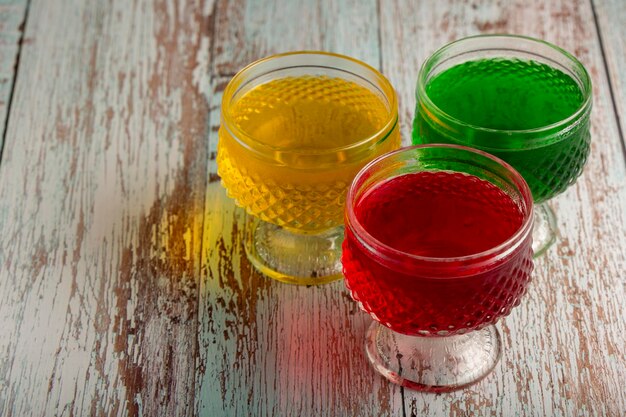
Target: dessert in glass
{"points": [[522, 99], [295, 129], [438, 247]]}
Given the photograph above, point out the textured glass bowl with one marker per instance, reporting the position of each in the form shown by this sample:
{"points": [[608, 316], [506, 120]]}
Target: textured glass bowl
{"points": [[294, 197], [549, 157], [434, 316]]}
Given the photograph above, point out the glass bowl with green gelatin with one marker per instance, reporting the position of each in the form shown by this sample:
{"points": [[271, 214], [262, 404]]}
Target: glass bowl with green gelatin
{"points": [[521, 99]]}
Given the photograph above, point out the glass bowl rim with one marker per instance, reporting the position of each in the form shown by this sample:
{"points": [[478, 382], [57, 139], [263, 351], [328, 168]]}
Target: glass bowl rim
{"points": [[487, 257], [560, 125], [254, 145]]}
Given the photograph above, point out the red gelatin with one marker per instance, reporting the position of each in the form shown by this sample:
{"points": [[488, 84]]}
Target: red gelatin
{"points": [[444, 215]]}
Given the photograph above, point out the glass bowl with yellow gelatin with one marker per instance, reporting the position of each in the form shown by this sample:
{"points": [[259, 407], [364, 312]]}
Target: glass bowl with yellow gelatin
{"points": [[295, 130]]}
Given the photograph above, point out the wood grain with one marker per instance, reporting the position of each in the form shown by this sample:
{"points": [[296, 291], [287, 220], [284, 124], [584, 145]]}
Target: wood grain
{"points": [[273, 349], [267, 348], [247, 30], [102, 190], [124, 288], [12, 17], [611, 17], [565, 345]]}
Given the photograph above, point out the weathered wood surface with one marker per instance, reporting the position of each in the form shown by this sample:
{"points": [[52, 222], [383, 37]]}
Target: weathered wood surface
{"points": [[270, 349], [248, 30], [123, 284], [12, 15], [102, 186], [266, 348], [611, 17]]}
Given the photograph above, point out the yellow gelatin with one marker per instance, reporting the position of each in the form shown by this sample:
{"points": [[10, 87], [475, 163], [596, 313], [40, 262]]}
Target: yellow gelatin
{"points": [[299, 142]]}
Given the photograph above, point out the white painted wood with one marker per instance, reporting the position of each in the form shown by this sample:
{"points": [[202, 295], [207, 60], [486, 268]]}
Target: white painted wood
{"points": [[247, 30], [565, 345], [611, 16], [124, 289], [102, 188], [268, 348], [12, 14]]}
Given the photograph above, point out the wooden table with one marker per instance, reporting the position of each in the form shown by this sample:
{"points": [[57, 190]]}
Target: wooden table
{"points": [[123, 286]]}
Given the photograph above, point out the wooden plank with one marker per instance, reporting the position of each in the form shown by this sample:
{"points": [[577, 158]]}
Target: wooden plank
{"points": [[247, 30], [268, 348], [611, 16], [12, 15], [102, 189], [565, 345]]}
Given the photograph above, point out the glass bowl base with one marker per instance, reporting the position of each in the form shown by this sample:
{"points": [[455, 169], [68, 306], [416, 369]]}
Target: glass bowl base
{"points": [[294, 258], [433, 364], [544, 229]]}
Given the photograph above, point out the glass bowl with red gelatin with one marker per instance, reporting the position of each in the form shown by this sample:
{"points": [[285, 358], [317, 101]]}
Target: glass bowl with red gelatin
{"points": [[437, 248]]}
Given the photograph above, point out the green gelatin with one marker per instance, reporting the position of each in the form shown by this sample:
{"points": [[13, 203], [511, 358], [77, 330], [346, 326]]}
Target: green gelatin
{"points": [[513, 109]]}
